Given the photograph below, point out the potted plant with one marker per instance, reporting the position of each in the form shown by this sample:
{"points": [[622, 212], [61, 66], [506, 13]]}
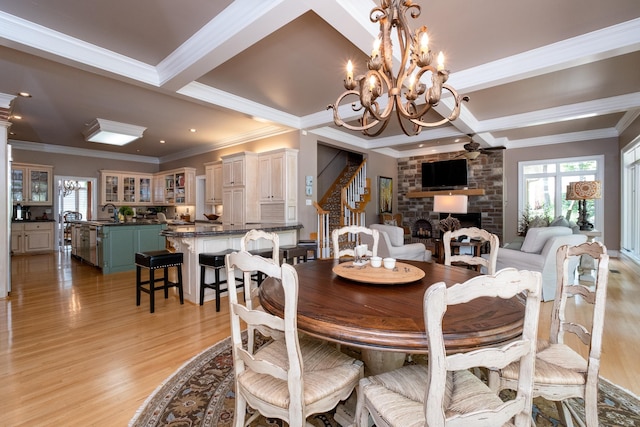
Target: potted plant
{"points": [[126, 212]]}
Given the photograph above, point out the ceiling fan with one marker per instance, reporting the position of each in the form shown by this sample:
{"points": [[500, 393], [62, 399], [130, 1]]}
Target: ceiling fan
{"points": [[473, 149]]}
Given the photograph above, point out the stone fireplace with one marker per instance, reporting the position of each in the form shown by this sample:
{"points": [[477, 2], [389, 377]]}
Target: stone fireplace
{"points": [[423, 229], [485, 210], [473, 219]]}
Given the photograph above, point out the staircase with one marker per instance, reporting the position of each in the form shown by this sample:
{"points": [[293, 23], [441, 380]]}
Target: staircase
{"points": [[343, 204]]}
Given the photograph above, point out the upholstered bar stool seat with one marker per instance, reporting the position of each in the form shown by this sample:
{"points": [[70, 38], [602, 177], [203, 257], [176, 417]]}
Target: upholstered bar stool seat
{"points": [[294, 253], [154, 260], [215, 261]]}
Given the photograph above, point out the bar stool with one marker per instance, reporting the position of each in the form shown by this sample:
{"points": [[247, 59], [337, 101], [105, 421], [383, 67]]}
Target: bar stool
{"points": [[215, 261], [311, 246], [295, 253], [154, 260]]}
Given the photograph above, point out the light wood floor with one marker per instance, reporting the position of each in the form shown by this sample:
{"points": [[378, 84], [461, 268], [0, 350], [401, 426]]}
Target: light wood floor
{"points": [[75, 349]]}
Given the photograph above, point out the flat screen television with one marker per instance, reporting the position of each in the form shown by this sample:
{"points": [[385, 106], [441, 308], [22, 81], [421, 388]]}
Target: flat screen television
{"points": [[444, 174]]}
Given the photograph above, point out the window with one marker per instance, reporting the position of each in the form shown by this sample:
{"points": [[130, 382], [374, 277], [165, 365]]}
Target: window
{"points": [[543, 187]]}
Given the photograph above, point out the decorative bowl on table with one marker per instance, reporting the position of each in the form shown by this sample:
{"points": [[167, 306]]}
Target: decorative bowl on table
{"points": [[212, 217]]}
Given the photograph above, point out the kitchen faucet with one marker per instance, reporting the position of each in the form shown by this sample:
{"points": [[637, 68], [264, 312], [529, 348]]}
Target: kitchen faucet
{"points": [[115, 211]]}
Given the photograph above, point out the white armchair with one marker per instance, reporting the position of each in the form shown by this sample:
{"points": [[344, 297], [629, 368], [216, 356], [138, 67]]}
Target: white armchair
{"points": [[538, 253], [392, 245]]}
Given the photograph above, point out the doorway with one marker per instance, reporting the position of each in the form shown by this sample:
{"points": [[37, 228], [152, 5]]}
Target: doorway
{"points": [[76, 201]]}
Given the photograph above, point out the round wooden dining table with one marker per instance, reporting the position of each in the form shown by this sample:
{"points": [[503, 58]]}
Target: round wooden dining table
{"points": [[386, 321]]}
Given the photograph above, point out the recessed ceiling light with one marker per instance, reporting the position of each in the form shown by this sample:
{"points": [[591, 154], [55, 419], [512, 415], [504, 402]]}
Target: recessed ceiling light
{"points": [[420, 145], [12, 133], [15, 116], [162, 141], [192, 130], [24, 94]]}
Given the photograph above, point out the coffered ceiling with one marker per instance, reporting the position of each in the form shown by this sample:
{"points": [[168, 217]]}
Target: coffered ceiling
{"points": [[537, 73]]}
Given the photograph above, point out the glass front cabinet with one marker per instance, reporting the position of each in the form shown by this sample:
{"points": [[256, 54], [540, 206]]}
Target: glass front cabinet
{"points": [[176, 187], [125, 188], [31, 184]]}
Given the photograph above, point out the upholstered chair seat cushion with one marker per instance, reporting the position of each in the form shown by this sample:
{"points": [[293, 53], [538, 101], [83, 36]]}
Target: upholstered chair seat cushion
{"points": [[399, 396], [326, 371], [555, 364]]}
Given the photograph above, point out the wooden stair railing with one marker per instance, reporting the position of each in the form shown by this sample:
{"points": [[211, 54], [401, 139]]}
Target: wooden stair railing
{"points": [[354, 197], [324, 232]]}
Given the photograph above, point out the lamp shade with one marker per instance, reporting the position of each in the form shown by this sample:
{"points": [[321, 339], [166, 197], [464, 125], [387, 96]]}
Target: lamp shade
{"points": [[450, 204], [582, 190]]}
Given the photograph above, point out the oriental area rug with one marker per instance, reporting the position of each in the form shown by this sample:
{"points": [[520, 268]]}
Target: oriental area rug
{"points": [[201, 393]]}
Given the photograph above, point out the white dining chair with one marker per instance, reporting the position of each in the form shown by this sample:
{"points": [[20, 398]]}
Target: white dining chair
{"points": [[445, 392], [254, 239], [352, 235], [561, 371], [489, 263], [290, 378]]}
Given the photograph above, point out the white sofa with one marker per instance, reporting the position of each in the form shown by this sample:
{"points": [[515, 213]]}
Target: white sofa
{"points": [[391, 244], [538, 253]]}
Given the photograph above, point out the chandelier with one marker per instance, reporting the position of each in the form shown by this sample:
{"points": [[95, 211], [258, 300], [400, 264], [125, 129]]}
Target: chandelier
{"points": [[405, 90], [69, 187]]}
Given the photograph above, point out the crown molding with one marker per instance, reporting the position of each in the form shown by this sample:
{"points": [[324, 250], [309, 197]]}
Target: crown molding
{"points": [[84, 152], [563, 138], [57, 45], [228, 100], [265, 132], [583, 49]]}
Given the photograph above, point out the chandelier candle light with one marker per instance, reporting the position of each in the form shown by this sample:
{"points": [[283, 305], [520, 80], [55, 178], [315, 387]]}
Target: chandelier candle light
{"points": [[404, 89], [581, 191]]}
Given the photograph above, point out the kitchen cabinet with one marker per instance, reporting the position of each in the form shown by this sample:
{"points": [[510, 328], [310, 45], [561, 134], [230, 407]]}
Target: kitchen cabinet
{"points": [[278, 183], [125, 188], [213, 183], [234, 167], [31, 237], [118, 245], [175, 187], [233, 201], [240, 188], [31, 185]]}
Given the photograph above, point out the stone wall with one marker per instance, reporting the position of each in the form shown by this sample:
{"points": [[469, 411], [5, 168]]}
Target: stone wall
{"points": [[485, 172]]}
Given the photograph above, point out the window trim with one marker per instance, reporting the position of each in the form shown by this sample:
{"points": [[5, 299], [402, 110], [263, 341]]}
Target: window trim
{"points": [[599, 175]]}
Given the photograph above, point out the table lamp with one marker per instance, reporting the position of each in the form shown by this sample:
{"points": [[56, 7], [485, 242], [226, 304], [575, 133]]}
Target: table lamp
{"points": [[583, 191], [450, 204]]}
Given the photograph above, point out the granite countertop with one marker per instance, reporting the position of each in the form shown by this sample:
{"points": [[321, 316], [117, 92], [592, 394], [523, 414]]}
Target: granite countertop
{"points": [[18, 221], [200, 229]]}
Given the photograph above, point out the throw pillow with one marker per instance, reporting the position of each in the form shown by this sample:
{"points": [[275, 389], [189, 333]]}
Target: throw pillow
{"points": [[391, 222], [536, 238], [560, 221]]}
